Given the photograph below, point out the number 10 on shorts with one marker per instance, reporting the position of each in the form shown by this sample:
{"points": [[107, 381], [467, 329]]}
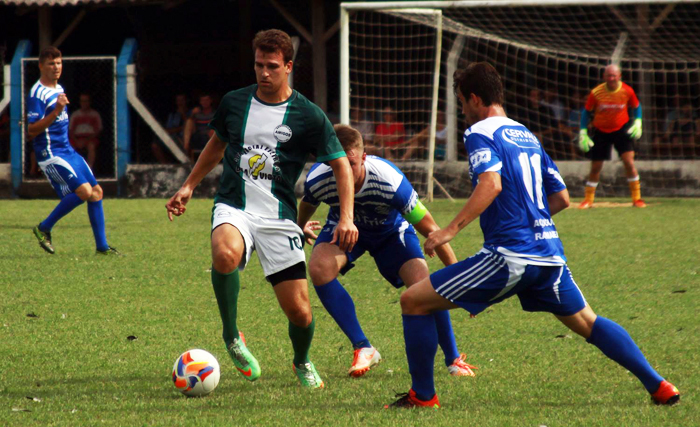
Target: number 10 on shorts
{"points": [[295, 242]]}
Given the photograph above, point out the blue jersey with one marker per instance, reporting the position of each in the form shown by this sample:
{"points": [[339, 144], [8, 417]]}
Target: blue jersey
{"points": [[385, 196], [518, 223], [54, 140]]}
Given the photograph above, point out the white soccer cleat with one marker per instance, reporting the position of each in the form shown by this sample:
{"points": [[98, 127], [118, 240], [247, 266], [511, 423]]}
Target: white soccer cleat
{"points": [[460, 368], [363, 360]]}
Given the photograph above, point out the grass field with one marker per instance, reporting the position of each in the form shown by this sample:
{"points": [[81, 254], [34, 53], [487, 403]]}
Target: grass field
{"points": [[638, 267]]}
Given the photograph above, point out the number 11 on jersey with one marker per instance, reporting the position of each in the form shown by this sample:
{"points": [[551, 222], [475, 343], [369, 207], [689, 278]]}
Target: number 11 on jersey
{"points": [[536, 161]]}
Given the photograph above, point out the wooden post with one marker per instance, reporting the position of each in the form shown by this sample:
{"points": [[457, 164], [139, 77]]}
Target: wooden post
{"points": [[44, 27], [319, 53]]}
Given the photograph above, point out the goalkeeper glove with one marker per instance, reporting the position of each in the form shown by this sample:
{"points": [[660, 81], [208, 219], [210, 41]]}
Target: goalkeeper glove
{"points": [[635, 131], [584, 141]]}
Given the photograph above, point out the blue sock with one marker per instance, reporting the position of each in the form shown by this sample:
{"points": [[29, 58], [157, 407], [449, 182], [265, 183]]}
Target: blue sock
{"points": [[420, 335], [64, 207], [446, 336], [341, 307], [614, 341], [97, 221]]}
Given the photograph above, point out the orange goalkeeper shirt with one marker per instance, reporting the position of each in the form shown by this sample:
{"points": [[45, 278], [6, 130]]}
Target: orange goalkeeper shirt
{"points": [[609, 108]]}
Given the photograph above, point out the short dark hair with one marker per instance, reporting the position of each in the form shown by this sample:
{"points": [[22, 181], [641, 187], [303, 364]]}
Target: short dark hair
{"points": [[50, 52], [350, 138], [271, 41], [481, 79]]}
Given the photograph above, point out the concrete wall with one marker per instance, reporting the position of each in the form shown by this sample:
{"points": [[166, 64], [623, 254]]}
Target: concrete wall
{"points": [[659, 179], [5, 180]]}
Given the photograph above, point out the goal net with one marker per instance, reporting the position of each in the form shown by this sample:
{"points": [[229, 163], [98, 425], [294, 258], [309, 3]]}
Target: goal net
{"points": [[81, 76], [400, 61]]}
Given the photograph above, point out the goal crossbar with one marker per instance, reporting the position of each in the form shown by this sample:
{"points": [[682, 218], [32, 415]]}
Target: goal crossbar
{"points": [[497, 3]]}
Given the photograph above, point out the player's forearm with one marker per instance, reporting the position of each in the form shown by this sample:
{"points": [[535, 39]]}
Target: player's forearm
{"points": [[306, 211], [637, 112], [486, 191], [426, 226], [558, 202], [446, 254], [210, 157], [585, 118], [346, 189], [34, 129]]}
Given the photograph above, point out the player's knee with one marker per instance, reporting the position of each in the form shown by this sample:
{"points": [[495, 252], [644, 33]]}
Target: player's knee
{"points": [[225, 260], [96, 194], [299, 315], [322, 270], [410, 304], [84, 192]]}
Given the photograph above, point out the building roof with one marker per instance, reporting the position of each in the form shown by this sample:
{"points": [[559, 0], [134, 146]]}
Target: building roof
{"points": [[75, 2]]}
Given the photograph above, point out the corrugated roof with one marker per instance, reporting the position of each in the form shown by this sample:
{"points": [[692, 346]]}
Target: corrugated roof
{"points": [[73, 2]]}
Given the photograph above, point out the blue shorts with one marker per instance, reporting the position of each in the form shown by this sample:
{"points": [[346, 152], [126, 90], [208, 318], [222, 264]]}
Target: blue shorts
{"points": [[67, 172], [488, 278], [390, 251]]}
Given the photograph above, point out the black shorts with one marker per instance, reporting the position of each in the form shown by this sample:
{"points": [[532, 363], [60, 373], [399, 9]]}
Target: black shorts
{"points": [[604, 141]]}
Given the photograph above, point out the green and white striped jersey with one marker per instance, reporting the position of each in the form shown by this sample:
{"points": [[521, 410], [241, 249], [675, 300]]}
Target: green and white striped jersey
{"points": [[268, 145]]}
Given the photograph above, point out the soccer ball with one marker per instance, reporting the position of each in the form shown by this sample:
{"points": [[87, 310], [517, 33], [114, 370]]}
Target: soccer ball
{"points": [[196, 373]]}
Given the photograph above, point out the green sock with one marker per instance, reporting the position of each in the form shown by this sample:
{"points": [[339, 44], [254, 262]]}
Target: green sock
{"points": [[226, 288], [301, 341]]}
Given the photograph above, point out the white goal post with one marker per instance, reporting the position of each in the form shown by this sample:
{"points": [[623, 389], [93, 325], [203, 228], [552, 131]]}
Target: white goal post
{"points": [[400, 56]]}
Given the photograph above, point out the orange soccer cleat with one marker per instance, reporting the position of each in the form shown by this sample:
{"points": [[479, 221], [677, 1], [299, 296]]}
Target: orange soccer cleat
{"points": [[460, 368], [667, 394], [585, 205], [363, 360], [409, 400], [639, 203]]}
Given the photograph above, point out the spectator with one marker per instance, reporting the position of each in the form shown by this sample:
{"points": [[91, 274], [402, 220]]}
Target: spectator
{"points": [[84, 130], [551, 114], [555, 105], [365, 127], [683, 131], [390, 134], [673, 113], [573, 122], [174, 126], [197, 131], [417, 146], [333, 112], [540, 120], [569, 128]]}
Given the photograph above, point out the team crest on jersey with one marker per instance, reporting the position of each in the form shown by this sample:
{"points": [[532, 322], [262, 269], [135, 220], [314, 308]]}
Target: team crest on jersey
{"points": [[254, 166], [257, 164], [520, 137], [282, 133], [480, 156]]}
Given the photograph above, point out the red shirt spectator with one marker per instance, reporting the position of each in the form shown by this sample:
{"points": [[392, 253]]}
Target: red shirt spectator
{"points": [[390, 132]]}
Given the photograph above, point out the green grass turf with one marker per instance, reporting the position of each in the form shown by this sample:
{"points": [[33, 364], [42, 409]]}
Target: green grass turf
{"points": [[638, 267]]}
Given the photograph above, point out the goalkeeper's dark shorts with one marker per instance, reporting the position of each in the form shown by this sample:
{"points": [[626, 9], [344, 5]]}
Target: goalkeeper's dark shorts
{"points": [[604, 141]]}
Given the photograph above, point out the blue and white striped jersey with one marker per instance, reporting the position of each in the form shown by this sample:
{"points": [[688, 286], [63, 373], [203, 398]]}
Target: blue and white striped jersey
{"points": [[518, 223], [385, 196], [54, 140]]}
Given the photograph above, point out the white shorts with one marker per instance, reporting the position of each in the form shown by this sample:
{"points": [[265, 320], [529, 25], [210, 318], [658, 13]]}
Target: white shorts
{"points": [[279, 242]]}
